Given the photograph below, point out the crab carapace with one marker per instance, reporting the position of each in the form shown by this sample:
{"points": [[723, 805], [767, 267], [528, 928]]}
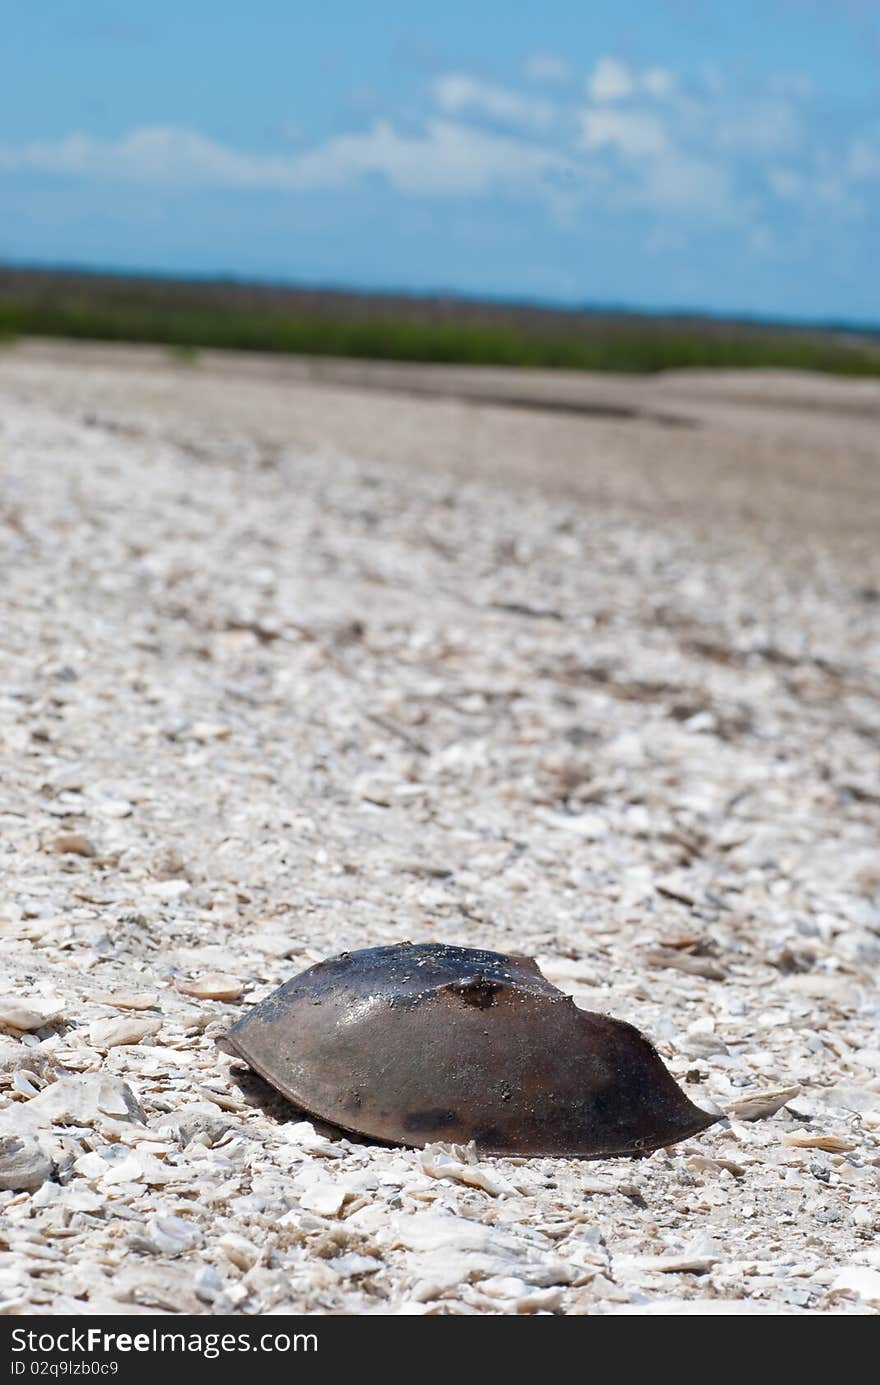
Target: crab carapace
{"points": [[413, 1043]]}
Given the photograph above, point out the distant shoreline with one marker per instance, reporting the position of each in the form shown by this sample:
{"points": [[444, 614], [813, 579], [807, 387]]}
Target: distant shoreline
{"points": [[192, 314]]}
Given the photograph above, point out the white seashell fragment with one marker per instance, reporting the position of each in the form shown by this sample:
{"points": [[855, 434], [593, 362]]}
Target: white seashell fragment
{"points": [[324, 1198], [808, 1139], [683, 1264], [28, 1013], [239, 1251], [109, 1033], [205, 731], [22, 1083], [859, 1280], [214, 985], [24, 1166], [353, 1266], [128, 1000], [172, 1235], [168, 889], [139, 1166], [758, 1105], [114, 808], [444, 1161], [208, 1284], [87, 1099], [304, 1135]]}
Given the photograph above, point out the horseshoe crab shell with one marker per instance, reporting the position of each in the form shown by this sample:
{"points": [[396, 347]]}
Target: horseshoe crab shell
{"points": [[420, 1042]]}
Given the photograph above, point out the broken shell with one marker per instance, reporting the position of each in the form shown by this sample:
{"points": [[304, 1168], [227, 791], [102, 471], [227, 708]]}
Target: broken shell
{"points": [[416, 1043], [756, 1106], [28, 1013], [809, 1139], [128, 1000], [118, 1030], [215, 985], [170, 1235], [82, 1100]]}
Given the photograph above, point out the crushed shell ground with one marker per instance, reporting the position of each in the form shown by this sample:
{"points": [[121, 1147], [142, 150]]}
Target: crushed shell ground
{"points": [[293, 665]]}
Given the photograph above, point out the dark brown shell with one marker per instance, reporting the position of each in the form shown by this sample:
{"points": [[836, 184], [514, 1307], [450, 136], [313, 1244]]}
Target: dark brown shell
{"points": [[414, 1043]]}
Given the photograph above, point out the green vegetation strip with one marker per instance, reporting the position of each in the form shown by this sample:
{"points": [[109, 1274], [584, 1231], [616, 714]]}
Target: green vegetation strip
{"points": [[640, 345]]}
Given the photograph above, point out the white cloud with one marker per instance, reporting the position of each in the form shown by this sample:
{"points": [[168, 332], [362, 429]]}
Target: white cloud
{"points": [[658, 82], [764, 127], [864, 158], [162, 153], [658, 172], [686, 154], [685, 183], [762, 242], [663, 240], [797, 85], [713, 81], [631, 133], [611, 80], [817, 184], [448, 159], [548, 67], [457, 93], [786, 183]]}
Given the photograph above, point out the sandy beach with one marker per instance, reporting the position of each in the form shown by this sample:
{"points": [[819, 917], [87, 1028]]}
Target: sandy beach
{"points": [[299, 657]]}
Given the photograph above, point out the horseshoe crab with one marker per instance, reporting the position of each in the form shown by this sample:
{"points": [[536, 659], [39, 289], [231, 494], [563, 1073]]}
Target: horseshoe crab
{"points": [[420, 1042]]}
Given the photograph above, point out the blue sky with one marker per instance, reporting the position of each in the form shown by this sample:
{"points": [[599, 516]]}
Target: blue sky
{"points": [[686, 153]]}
